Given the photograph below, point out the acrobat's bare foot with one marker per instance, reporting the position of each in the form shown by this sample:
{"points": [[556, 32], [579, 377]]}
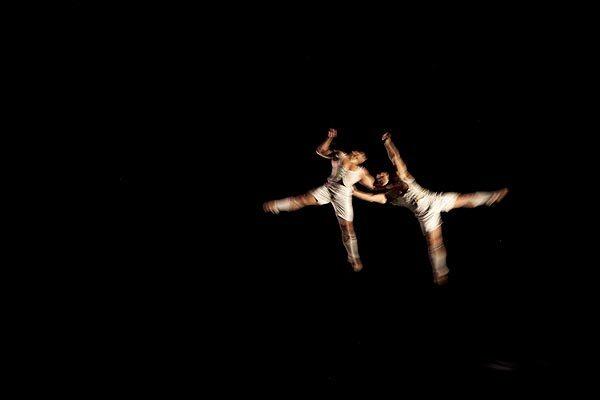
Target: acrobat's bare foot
{"points": [[497, 196], [441, 280], [356, 265], [269, 206]]}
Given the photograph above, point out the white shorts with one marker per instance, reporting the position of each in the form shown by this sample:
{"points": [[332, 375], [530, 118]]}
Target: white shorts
{"points": [[339, 196], [431, 206]]}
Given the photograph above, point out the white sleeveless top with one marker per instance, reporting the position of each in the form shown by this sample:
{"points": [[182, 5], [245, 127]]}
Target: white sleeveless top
{"points": [[411, 199], [343, 176]]}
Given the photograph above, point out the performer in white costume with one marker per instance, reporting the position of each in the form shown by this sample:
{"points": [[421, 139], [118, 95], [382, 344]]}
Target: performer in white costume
{"points": [[427, 206], [346, 170]]}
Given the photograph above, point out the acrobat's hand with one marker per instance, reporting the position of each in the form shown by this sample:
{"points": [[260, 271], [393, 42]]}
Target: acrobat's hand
{"points": [[386, 136], [332, 133]]}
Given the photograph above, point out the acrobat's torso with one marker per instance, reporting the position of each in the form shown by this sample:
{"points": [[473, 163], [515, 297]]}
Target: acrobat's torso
{"points": [[343, 175], [406, 194]]}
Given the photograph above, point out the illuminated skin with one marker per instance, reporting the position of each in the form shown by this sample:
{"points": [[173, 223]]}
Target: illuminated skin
{"points": [[427, 213], [346, 171]]}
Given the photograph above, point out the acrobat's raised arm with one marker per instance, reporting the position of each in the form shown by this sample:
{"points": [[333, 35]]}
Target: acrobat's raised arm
{"points": [[395, 158], [324, 148]]}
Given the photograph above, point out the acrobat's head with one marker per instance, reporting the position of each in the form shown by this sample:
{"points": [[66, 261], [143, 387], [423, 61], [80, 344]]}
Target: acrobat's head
{"points": [[382, 179], [357, 157]]}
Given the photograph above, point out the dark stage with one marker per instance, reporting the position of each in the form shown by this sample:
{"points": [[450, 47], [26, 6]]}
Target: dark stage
{"points": [[208, 282]]}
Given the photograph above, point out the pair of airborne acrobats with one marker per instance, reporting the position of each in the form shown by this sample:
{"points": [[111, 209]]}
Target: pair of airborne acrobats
{"points": [[401, 190]]}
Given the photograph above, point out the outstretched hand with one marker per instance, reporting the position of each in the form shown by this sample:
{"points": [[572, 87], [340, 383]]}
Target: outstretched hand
{"points": [[386, 136], [332, 133]]}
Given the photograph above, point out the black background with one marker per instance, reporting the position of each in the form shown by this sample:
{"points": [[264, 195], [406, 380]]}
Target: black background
{"points": [[211, 120]]}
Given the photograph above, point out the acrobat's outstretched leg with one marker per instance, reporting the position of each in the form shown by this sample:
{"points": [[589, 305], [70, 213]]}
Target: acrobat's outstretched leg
{"points": [[290, 203], [472, 200], [347, 227], [435, 241]]}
